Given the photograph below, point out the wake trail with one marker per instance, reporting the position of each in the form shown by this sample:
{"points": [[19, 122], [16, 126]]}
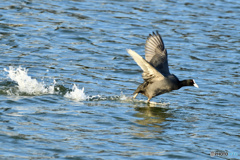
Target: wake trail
{"points": [[26, 85]]}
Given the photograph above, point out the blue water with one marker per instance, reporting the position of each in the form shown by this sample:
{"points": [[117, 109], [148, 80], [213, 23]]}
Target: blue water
{"points": [[48, 47]]}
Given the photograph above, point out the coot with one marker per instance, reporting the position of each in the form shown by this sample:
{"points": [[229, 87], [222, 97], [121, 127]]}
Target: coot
{"points": [[157, 78]]}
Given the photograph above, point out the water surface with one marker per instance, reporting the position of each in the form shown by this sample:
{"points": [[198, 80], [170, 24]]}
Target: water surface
{"points": [[66, 80]]}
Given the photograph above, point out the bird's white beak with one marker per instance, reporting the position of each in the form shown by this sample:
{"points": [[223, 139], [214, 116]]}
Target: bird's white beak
{"points": [[195, 84]]}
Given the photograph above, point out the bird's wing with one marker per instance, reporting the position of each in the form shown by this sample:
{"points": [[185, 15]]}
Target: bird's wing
{"points": [[156, 53], [149, 72]]}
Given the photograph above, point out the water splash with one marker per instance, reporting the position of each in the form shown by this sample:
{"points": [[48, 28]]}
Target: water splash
{"points": [[30, 86], [26, 84], [76, 94], [123, 97]]}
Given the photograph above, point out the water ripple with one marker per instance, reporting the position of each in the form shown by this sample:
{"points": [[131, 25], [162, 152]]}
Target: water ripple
{"points": [[70, 45]]}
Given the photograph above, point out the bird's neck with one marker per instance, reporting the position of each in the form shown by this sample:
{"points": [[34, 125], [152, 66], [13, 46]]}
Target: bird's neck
{"points": [[183, 83]]}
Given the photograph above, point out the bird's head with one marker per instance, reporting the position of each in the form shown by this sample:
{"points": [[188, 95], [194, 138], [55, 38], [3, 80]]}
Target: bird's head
{"points": [[191, 82]]}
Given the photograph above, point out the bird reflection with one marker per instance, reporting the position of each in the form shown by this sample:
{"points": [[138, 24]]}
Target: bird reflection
{"points": [[150, 117]]}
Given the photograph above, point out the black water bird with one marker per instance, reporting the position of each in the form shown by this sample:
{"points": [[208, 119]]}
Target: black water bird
{"points": [[157, 78]]}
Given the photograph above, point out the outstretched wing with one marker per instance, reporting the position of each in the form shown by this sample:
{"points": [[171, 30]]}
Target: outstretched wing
{"points": [[149, 72], [156, 53]]}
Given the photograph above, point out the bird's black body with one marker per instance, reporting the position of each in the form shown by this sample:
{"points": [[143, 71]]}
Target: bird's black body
{"points": [[156, 75]]}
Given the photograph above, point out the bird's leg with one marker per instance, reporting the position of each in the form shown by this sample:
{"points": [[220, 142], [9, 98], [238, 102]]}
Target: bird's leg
{"points": [[149, 98], [148, 101], [135, 95]]}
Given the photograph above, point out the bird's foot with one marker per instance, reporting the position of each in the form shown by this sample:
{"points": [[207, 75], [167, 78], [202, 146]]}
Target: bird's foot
{"points": [[148, 101]]}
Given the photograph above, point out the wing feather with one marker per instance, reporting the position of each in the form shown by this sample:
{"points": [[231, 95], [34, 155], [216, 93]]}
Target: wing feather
{"points": [[149, 72], [156, 54]]}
